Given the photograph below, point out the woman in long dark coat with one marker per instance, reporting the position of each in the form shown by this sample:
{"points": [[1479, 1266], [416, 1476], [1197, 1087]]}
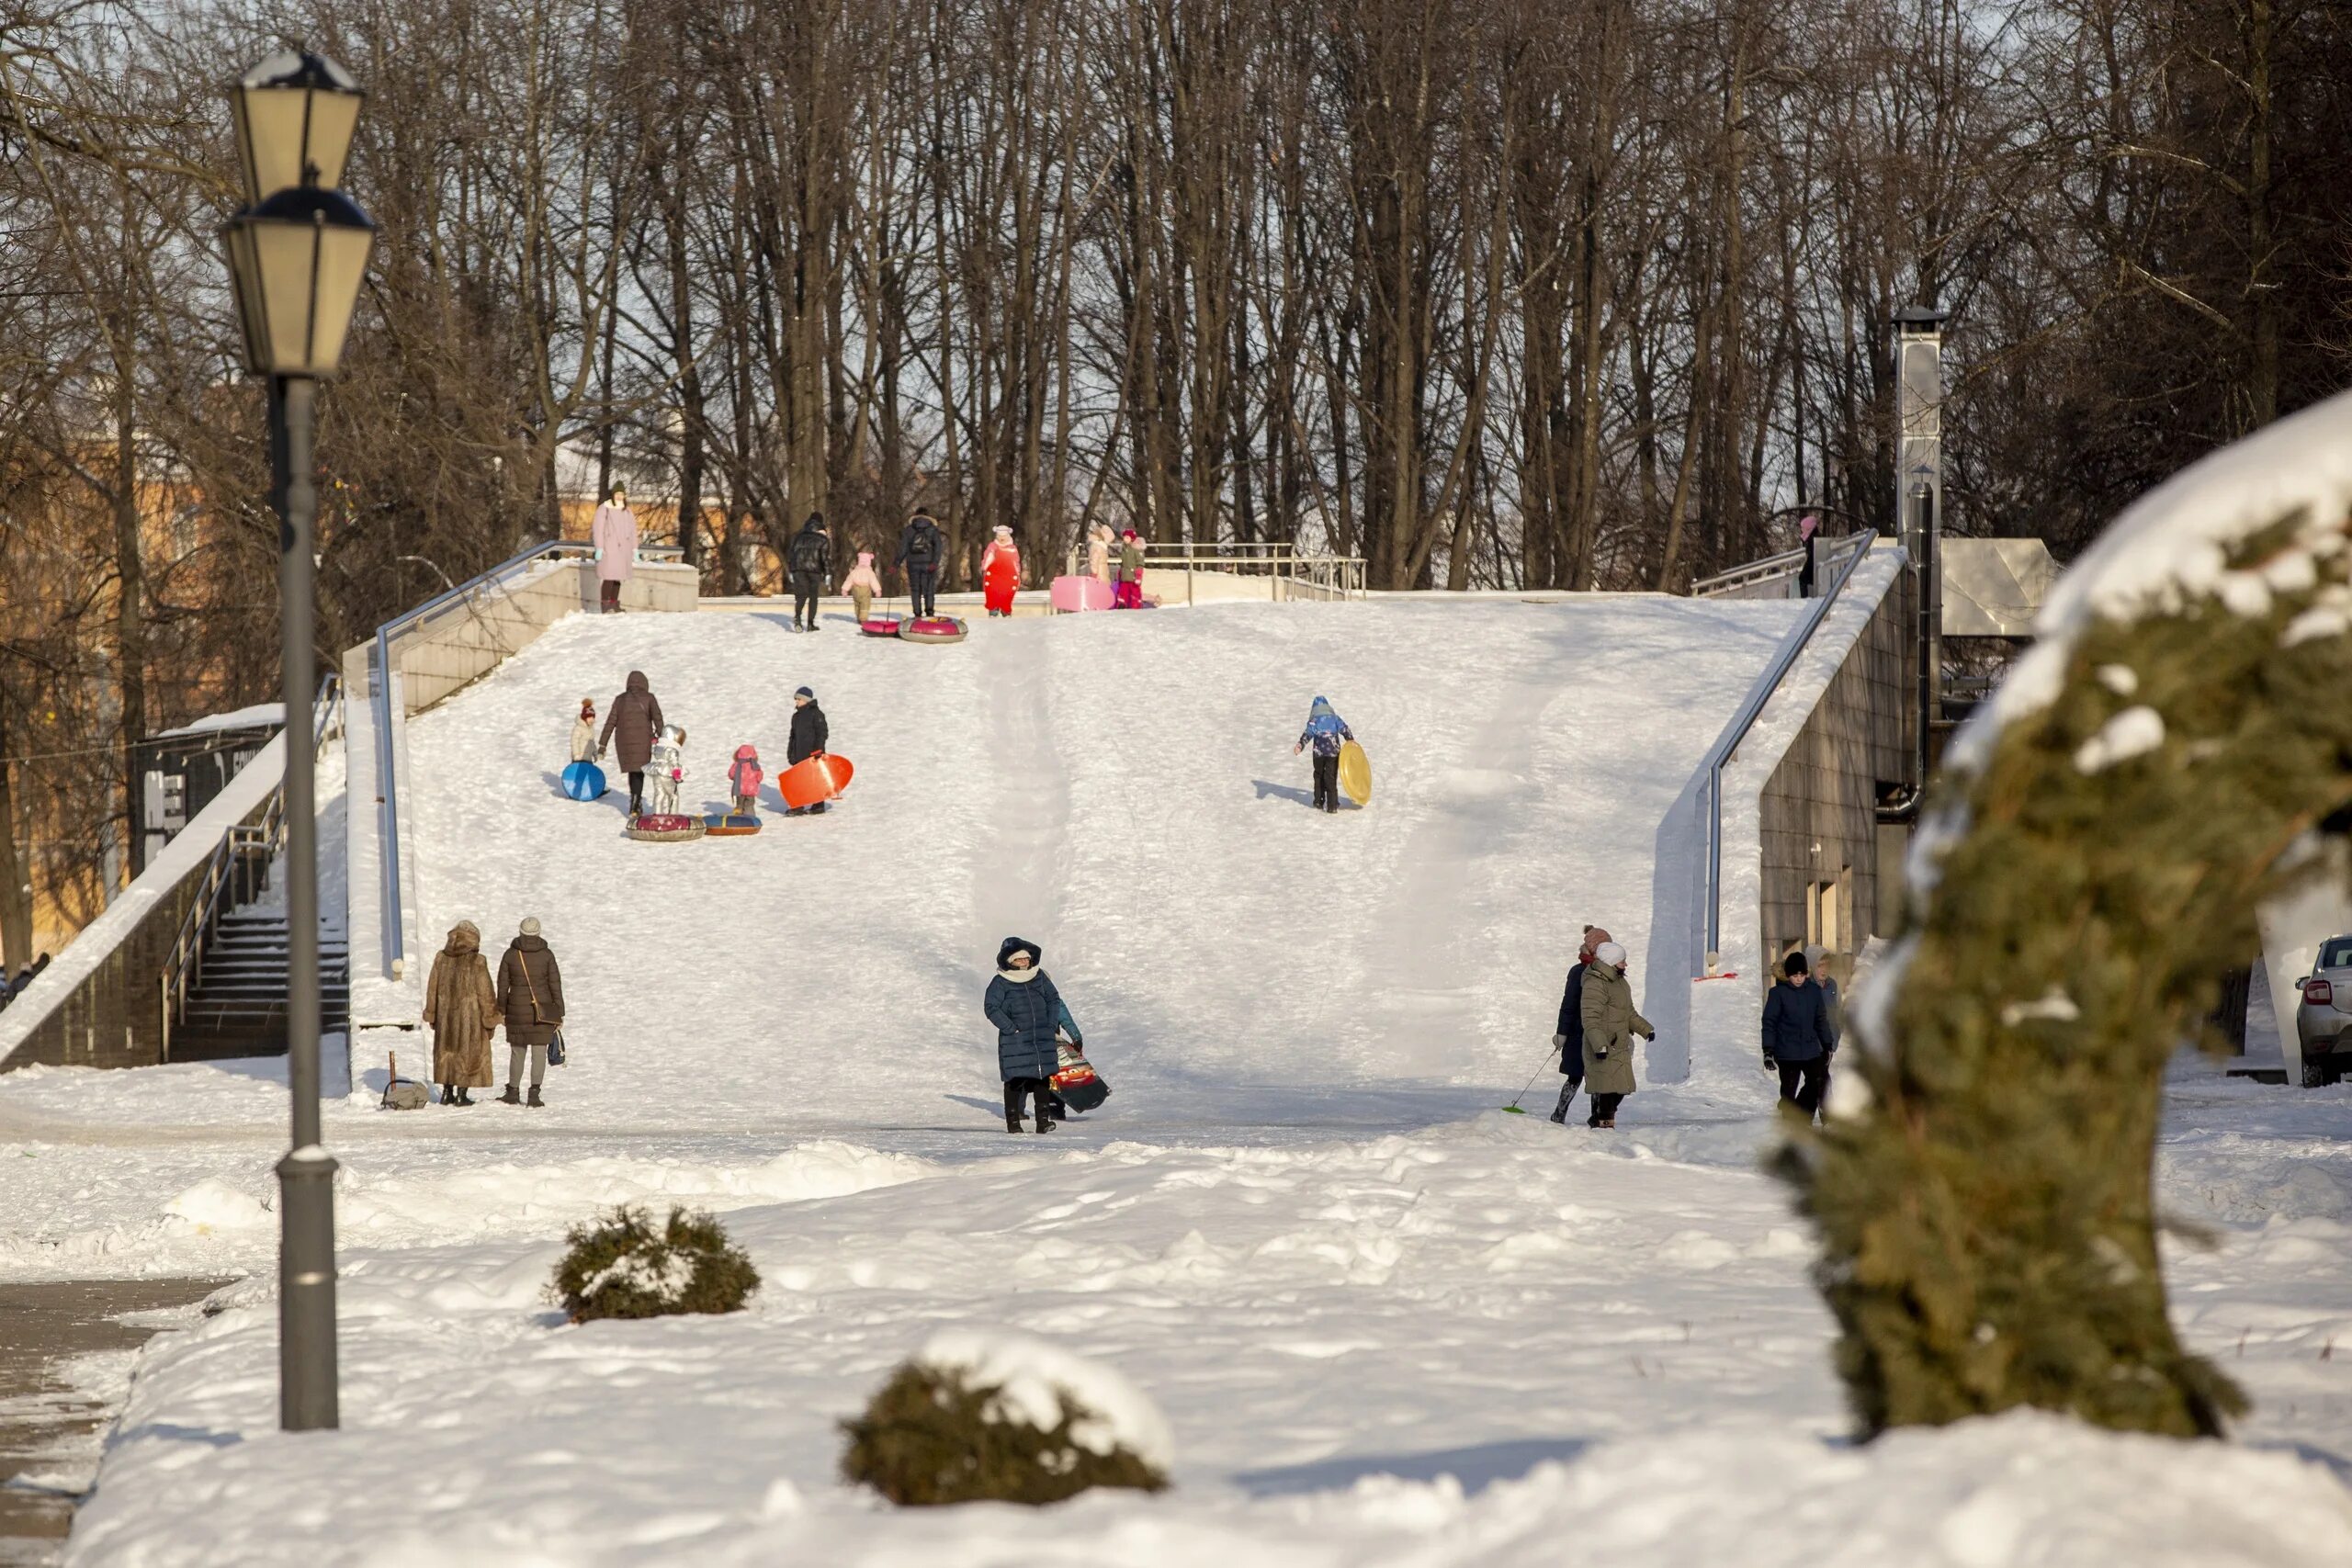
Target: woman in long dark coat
{"points": [[530, 1003], [1026, 1009]]}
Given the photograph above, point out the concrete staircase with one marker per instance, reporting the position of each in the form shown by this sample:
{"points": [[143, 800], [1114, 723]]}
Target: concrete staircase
{"points": [[237, 1007]]}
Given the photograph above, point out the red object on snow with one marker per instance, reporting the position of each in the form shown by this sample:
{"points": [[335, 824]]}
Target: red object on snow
{"points": [[1001, 579], [819, 778], [1703, 979], [932, 629], [664, 828], [880, 626]]}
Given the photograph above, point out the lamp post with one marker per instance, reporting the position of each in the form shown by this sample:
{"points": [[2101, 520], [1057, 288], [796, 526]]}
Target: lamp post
{"points": [[297, 254]]}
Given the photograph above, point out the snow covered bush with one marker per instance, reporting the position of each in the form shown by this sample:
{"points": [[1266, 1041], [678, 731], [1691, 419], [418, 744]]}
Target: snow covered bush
{"points": [[2088, 872], [1004, 1418], [625, 1267]]}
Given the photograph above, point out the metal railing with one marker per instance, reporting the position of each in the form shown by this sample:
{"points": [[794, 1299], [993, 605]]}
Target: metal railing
{"points": [[1299, 574], [388, 784], [1858, 548], [388, 789], [229, 875]]}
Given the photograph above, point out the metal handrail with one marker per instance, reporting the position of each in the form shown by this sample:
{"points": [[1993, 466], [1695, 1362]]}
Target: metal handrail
{"points": [[1742, 722], [1340, 576], [235, 847], [387, 800], [1785, 564]]}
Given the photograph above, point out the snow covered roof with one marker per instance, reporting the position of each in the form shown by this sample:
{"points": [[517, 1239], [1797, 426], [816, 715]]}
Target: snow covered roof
{"points": [[261, 716]]}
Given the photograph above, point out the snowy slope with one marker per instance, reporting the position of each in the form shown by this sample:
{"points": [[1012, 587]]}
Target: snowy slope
{"points": [[1388, 1324], [1119, 788]]}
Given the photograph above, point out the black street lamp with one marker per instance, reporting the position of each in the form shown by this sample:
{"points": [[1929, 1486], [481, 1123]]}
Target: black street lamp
{"points": [[296, 254]]}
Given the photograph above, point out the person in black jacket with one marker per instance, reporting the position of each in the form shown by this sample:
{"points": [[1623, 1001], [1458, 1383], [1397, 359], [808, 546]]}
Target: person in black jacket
{"points": [[809, 559], [1798, 1037], [1027, 1011], [922, 549], [809, 732], [1569, 1040]]}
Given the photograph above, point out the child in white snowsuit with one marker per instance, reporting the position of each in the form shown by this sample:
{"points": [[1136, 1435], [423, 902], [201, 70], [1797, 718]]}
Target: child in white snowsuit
{"points": [[583, 734], [668, 772]]}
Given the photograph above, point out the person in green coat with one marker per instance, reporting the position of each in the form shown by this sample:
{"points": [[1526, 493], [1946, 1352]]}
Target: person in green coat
{"points": [[1611, 1023]]}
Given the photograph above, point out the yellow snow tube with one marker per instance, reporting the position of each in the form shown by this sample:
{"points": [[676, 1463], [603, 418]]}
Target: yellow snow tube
{"points": [[1355, 774]]}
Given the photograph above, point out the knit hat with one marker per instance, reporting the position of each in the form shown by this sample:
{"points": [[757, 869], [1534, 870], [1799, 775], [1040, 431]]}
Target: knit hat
{"points": [[1004, 531], [1593, 937], [530, 925], [1609, 952], [805, 692], [1794, 964]]}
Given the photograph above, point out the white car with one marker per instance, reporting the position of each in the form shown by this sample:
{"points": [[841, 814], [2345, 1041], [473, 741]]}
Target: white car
{"points": [[2324, 1019]]}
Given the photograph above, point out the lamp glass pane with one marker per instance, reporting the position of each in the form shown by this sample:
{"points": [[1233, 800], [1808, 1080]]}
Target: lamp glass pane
{"points": [[244, 273], [343, 267], [284, 252], [334, 118], [269, 129]]}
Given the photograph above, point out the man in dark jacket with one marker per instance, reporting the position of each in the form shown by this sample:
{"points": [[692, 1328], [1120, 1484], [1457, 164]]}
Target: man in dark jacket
{"points": [[1797, 1036], [809, 559], [1568, 1038], [1027, 1011], [922, 549], [530, 1004], [809, 731], [633, 720]]}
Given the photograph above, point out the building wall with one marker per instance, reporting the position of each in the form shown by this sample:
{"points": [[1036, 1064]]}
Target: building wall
{"points": [[1821, 845]]}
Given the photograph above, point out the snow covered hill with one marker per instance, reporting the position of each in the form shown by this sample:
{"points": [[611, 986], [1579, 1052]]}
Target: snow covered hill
{"points": [[1390, 1327], [1119, 788]]}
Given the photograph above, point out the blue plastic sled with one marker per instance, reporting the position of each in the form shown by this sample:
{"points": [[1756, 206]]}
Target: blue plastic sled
{"points": [[583, 781]]}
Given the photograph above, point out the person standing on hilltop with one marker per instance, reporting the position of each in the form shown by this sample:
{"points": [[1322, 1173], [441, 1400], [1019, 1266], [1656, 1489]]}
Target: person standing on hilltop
{"points": [[612, 531], [922, 549], [810, 559], [999, 573], [862, 584]]}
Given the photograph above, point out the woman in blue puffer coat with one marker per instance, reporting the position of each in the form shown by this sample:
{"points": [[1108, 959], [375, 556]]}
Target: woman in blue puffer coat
{"points": [[1027, 1011]]}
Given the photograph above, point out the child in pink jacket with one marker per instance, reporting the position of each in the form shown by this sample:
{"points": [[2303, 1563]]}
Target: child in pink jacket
{"points": [[862, 584], [744, 778]]}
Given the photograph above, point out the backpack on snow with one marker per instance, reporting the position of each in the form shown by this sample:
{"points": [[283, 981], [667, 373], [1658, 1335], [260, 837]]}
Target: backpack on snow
{"points": [[400, 1093]]}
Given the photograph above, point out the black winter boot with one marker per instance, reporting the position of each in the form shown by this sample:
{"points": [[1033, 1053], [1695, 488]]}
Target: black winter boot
{"points": [[1044, 1121], [448, 1094], [512, 1096], [534, 1100], [1012, 1122]]}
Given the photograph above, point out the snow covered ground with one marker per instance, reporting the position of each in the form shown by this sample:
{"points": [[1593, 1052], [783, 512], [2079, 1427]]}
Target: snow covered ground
{"points": [[1388, 1324]]}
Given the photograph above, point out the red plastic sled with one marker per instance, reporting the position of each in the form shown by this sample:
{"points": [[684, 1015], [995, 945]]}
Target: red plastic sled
{"points": [[819, 778], [933, 628], [879, 625]]}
